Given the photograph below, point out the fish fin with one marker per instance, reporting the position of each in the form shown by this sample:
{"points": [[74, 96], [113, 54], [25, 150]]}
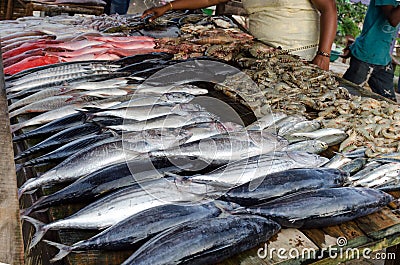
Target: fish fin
{"points": [[40, 228], [16, 127], [30, 192], [64, 250]]}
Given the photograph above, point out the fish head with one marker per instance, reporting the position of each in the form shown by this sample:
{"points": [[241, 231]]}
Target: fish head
{"points": [[168, 136], [177, 97]]}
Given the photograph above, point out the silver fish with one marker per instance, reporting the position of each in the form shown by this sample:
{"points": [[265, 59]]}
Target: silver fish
{"points": [[248, 169], [310, 146], [330, 136], [266, 121], [121, 204], [107, 152]]}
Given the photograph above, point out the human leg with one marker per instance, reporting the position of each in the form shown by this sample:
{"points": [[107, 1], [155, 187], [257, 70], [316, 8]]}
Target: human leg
{"points": [[381, 81], [358, 72]]}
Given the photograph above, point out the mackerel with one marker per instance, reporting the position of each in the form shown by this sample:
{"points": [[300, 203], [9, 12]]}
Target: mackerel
{"points": [[60, 138], [286, 182], [106, 180], [105, 153], [249, 169], [391, 169], [330, 136], [168, 121], [53, 127], [311, 146], [227, 147]]}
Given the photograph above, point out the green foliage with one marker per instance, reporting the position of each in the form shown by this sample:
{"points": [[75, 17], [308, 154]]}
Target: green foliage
{"points": [[350, 18]]}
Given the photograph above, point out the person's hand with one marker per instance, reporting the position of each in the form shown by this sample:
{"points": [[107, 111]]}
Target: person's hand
{"points": [[321, 61], [155, 12]]}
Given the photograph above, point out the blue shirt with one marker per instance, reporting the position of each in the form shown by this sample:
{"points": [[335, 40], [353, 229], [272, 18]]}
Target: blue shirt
{"points": [[373, 44]]}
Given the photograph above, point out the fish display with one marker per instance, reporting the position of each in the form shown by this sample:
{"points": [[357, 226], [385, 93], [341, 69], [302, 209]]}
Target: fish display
{"points": [[98, 108]]}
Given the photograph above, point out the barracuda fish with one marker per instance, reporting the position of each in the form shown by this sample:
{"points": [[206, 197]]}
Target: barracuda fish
{"points": [[266, 121], [109, 179], [195, 242], [310, 146], [168, 121], [330, 136], [143, 113], [121, 204], [325, 207], [227, 147], [249, 169], [391, 169], [61, 80], [60, 68], [286, 182], [207, 129], [105, 153], [61, 138], [68, 149], [145, 224]]}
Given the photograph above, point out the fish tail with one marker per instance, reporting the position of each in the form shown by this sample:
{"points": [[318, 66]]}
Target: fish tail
{"points": [[40, 228], [33, 207], [16, 127], [64, 250], [240, 210], [24, 187]]}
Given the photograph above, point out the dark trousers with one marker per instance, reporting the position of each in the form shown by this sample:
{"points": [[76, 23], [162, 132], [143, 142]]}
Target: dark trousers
{"points": [[378, 77]]}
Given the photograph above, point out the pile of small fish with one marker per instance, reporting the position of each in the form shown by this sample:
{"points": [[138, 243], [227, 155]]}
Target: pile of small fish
{"points": [[380, 172]]}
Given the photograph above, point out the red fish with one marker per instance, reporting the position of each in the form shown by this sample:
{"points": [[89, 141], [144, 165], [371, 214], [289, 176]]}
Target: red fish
{"points": [[28, 46], [31, 62], [17, 58]]}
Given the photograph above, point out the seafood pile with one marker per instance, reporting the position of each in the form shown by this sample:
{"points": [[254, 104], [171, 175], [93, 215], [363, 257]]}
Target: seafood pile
{"points": [[160, 172]]}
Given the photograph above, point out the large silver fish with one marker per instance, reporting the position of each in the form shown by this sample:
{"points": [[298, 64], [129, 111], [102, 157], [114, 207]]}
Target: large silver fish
{"points": [[105, 153]]}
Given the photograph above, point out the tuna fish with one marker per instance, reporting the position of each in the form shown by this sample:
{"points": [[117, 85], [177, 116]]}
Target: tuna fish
{"points": [[205, 242], [322, 207], [145, 224]]}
